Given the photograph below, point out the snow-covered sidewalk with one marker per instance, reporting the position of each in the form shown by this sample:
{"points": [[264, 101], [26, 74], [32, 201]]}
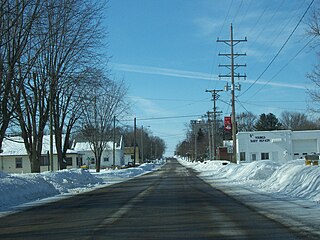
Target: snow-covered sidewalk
{"points": [[288, 193], [22, 190]]}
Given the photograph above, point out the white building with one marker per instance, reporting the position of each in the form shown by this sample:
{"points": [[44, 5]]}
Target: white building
{"points": [[14, 157], [281, 145], [88, 157]]}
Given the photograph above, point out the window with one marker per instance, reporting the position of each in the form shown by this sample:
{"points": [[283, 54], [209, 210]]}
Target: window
{"points": [[19, 162], [242, 156], [44, 161], [264, 156], [68, 161], [106, 159], [254, 157]]}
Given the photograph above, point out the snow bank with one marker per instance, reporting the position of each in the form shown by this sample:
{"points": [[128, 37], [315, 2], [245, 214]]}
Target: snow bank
{"points": [[65, 180], [16, 189], [292, 179], [295, 179]]}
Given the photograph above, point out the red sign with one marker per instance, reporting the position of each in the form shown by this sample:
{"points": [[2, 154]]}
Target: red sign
{"points": [[227, 124]]}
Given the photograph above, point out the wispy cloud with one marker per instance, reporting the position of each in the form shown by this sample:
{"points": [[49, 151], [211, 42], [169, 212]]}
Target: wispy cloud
{"points": [[163, 71], [191, 75], [207, 26], [147, 106]]}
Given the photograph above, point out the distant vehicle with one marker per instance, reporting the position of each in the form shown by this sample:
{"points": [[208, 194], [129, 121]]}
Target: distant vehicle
{"points": [[84, 167]]}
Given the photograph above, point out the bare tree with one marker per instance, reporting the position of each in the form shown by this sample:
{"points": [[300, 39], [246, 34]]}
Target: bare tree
{"points": [[74, 28], [16, 21], [63, 44], [297, 121], [103, 104], [314, 31], [246, 122]]}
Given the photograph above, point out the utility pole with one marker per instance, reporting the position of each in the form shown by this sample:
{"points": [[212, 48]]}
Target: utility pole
{"points": [[114, 143], [215, 97], [209, 134], [51, 129], [142, 150], [195, 132], [232, 42], [134, 140]]}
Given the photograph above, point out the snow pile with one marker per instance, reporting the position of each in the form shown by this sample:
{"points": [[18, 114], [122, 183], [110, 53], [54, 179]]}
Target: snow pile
{"points": [[65, 180], [259, 170], [292, 179], [110, 175], [16, 189], [295, 179]]}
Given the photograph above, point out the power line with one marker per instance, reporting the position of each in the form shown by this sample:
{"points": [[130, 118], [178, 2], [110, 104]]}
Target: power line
{"points": [[238, 101], [234, 18], [284, 66], [284, 44], [162, 118], [282, 108]]}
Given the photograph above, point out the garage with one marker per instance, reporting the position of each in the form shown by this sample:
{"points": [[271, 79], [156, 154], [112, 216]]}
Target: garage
{"points": [[303, 147]]}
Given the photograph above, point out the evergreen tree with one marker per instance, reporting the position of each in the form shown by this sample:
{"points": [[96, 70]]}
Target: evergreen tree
{"points": [[268, 122]]}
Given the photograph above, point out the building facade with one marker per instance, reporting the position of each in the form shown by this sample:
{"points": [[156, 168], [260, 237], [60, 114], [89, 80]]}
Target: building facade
{"points": [[88, 158], [281, 145], [14, 157]]}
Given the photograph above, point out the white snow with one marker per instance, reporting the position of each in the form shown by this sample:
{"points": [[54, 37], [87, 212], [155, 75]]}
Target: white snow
{"points": [[292, 179], [18, 191], [287, 192]]}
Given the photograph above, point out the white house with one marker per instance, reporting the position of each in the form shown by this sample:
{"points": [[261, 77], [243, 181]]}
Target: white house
{"points": [[14, 157], [88, 157], [281, 145]]}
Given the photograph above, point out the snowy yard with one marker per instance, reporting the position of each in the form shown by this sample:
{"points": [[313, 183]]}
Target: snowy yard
{"points": [[23, 190]]}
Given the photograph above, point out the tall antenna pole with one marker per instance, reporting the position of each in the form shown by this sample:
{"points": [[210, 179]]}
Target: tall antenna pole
{"points": [[232, 42]]}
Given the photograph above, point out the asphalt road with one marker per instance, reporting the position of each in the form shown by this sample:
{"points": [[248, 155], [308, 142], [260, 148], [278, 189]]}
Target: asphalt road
{"points": [[172, 203]]}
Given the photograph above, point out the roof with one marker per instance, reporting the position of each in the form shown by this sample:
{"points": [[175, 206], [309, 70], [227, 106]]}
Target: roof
{"points": [[14, 146], [85, 146]]}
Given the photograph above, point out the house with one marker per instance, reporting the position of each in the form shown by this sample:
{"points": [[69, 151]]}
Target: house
{"points": [[88, 158], [14, 157], [129, 155], [281, 145]]}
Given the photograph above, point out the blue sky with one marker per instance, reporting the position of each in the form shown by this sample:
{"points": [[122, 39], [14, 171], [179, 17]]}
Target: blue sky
{"points": [[167, 53]]}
